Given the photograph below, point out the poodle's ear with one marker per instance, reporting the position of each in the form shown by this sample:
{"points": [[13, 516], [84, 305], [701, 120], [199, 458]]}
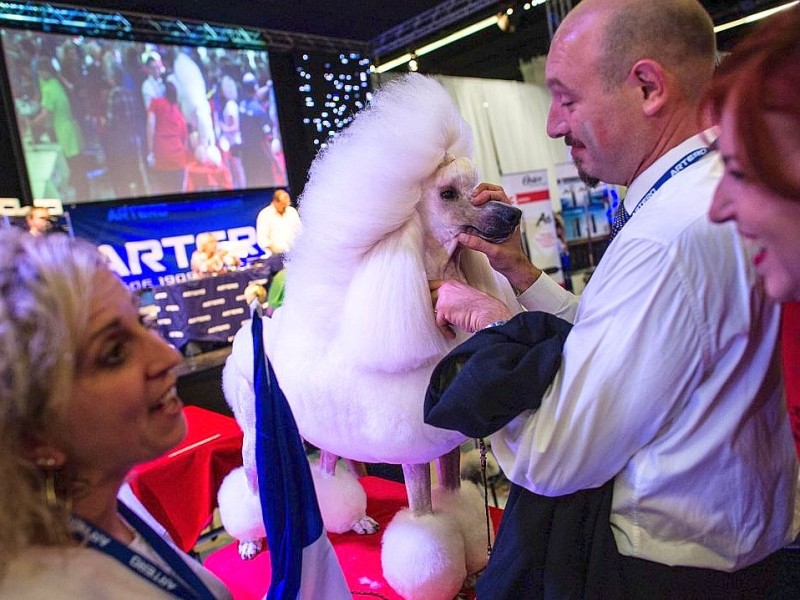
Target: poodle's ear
{"points": [[398, 332]]}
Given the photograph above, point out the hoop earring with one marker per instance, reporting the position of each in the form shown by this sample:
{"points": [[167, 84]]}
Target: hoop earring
{"points": [[50, 495], [48, 464]]}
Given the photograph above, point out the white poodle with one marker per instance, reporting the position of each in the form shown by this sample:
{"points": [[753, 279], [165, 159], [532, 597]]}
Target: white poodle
{"points": [[356, 340]]}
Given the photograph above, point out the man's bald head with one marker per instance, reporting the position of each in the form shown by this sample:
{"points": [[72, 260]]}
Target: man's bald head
{"points": [[678, 34]]}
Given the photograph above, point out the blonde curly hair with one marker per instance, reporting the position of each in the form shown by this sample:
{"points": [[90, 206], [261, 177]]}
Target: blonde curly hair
{"points": [[45, 283]]}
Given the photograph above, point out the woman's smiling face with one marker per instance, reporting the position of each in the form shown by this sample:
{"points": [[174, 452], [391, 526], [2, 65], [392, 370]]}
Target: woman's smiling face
{"points": [[767, 219], [124, 409]]}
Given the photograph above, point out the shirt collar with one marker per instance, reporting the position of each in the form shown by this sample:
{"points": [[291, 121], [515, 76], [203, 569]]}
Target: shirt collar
{"points": [[651, 174]]}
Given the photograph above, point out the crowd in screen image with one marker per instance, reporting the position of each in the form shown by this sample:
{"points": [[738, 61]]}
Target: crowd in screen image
{"points": [[106, 119]]}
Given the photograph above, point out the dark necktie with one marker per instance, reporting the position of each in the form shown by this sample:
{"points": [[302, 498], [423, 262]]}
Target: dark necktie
{"points": [[620, 218]]}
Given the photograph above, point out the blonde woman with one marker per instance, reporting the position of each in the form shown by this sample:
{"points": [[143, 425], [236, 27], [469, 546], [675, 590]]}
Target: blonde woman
{"points": [[86, 393]]}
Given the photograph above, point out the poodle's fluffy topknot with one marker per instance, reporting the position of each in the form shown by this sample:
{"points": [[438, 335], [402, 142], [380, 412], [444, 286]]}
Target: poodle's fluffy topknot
{"points": [[388, 150]]}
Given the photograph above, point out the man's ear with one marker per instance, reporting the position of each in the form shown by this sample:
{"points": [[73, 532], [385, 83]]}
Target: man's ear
{"points": [[649, 77]]}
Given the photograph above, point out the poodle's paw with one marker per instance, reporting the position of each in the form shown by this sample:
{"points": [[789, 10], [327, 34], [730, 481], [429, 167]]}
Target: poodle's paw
{"points": [[250, 549], [366, 525], [423, 556]]}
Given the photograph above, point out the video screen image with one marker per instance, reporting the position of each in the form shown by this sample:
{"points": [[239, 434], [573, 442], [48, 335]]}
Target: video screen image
{"points": [[103, 119]]}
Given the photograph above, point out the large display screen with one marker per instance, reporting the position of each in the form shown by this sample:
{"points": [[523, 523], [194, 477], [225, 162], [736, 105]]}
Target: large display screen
{"points": [[103, 119]]}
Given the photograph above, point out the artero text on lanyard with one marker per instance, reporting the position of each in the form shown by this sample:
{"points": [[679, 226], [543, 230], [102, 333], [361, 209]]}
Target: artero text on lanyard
{"points": [[679, 166], [186, 585]]}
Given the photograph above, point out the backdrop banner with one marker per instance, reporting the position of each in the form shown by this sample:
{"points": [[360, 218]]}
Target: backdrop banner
{"points": [[530, 191], [150, 245]]}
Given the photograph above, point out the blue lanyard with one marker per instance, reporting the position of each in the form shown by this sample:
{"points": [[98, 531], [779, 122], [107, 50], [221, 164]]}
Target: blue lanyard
{"points": [[679, 166], [189, 586]]}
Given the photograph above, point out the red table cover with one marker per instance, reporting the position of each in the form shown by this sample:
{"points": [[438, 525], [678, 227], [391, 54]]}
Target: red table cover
{"points": [[180, 488]]}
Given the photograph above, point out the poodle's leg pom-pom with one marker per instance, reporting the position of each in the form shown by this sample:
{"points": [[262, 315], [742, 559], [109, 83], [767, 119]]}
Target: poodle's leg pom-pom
{"points": [[423, 556], [342, 501], [465, 506], [240, 513]]}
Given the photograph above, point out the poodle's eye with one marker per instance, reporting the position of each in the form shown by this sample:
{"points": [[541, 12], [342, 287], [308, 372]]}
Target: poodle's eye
{"points": [[448, 194]]}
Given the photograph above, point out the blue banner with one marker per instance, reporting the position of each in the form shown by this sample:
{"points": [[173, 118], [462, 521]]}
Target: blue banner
{"points": [[151, 244]]}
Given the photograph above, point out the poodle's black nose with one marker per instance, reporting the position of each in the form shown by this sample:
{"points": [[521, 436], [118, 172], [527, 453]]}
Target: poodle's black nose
{"points": [[510, 214], [497, 221]]}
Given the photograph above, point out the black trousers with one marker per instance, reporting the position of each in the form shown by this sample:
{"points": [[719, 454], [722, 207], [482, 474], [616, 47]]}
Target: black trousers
{"points": [[647, 580]]}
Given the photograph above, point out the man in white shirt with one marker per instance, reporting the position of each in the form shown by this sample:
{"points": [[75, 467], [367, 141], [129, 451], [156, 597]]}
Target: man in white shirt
{"points": [[669, 382], [153, 86], [277, 225]]}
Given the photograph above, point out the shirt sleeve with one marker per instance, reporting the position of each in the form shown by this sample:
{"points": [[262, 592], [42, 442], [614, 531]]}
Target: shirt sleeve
{"points": [[631, 358], [546, 295], [262, 230]]}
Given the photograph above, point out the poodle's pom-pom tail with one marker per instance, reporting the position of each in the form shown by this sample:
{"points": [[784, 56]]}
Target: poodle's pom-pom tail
{"points": [[239, 508], [423, 556], [466, 507], [342, 500]]}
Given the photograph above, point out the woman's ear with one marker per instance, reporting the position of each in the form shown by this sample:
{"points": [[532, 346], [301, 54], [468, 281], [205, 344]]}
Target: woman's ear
{"points": [[48, 456], [649, 77]]}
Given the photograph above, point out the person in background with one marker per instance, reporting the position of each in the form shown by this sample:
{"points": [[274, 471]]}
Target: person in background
{"points": [[255, 127], [167, 142], [121, 141], [209, 258], [87, 393], [153, 86], [56, 111], [277, 225], [669, 382], [38, 221]]}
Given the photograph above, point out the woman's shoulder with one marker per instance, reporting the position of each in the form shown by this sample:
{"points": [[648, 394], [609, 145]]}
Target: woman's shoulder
{"points": [[72, 573]]}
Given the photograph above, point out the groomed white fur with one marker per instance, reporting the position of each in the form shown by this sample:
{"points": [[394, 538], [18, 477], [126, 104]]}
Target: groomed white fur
{"points": [[466, 506], [426, 561], [240, 509], [342, 500], [355, 342]]}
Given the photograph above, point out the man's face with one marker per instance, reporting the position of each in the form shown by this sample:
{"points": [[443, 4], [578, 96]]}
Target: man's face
{"points": [[593, 120], [281, 201], [39, 222], [154, 68]]}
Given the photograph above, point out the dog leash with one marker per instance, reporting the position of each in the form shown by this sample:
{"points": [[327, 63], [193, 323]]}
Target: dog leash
{"points": [[485, 481]]}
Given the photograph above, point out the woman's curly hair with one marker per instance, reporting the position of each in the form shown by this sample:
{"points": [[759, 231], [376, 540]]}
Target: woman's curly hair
{"points": [[45, 284]]}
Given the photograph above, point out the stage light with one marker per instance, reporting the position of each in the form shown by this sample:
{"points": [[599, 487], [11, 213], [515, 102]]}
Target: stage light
{"points": [[449, 39], [754, 17], [460, 34], [504, 21]]}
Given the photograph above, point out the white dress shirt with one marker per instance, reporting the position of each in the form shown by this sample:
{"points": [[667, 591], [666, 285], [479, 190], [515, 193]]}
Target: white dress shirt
{"points": [[670, 383], [278, 230]]}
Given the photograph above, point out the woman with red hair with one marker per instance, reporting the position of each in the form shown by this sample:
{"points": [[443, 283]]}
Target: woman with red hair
{"points": [[756, 102]]}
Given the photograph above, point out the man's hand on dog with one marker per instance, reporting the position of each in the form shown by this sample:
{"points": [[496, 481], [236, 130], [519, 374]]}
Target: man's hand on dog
{"points": [[507, 257], [457, 304]]}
